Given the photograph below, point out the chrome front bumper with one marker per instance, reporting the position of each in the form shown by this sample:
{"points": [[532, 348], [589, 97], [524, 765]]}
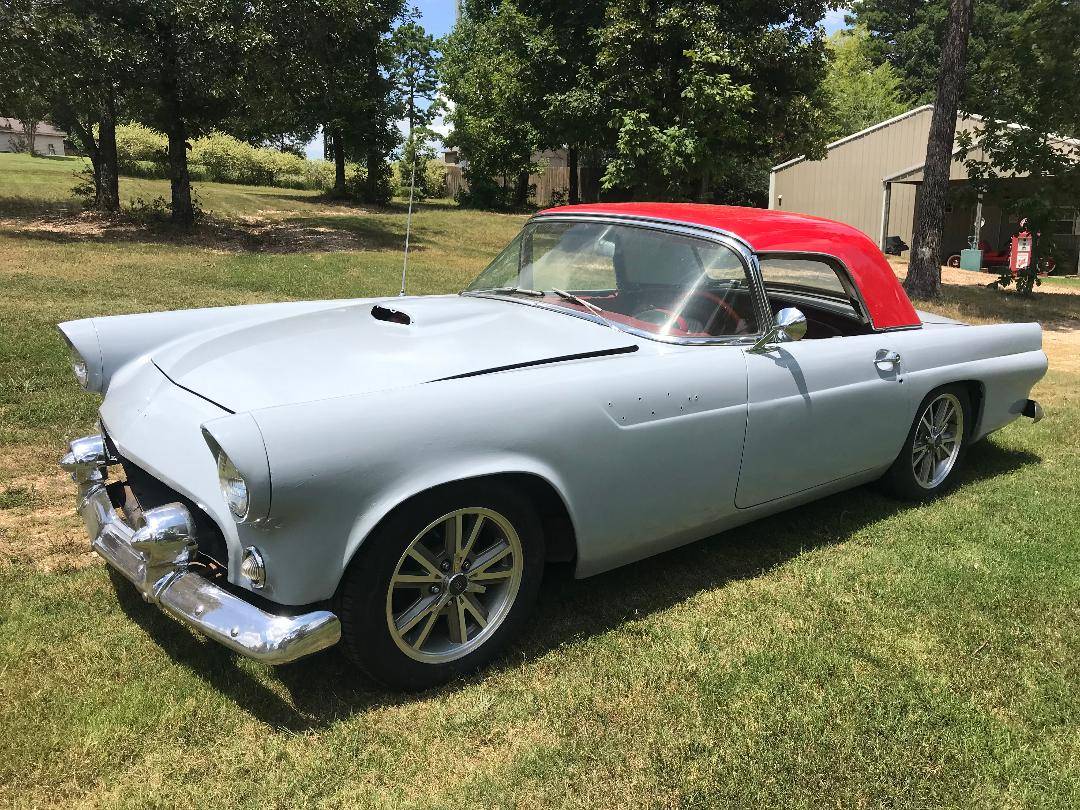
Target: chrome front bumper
{"points": [[157, 556]]}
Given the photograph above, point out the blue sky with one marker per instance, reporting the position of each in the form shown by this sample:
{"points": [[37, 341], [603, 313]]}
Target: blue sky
{"points": [[437, 16]]}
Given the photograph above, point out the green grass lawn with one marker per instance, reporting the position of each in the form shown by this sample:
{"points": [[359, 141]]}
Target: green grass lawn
{"points": [[854, 652]]}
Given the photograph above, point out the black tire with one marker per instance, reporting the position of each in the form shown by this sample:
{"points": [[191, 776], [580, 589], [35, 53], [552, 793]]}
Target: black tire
{"points": [[361, 601], [901, 479]]}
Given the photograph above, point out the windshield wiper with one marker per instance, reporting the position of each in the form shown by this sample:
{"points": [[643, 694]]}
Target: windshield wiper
{"points": [[593, 308], [509, 291]]}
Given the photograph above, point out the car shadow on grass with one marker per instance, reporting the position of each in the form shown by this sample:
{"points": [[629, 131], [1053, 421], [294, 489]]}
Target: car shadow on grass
{"points": [[325, 688]]}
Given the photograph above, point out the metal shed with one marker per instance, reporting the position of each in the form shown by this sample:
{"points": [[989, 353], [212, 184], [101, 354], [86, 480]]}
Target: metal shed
{"points": [[867, 180]]}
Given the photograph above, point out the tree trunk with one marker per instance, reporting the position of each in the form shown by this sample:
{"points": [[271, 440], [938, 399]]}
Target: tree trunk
{"points": [[29, 126], [924, 268], [108, 183], [339, 162], [573, 195], [703, 186], [183, 212], [374, 177], [521, 191], [85, 136]]}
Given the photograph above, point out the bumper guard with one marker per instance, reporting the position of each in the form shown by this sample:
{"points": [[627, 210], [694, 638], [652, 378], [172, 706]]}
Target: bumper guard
{"points": [[156, 557]]}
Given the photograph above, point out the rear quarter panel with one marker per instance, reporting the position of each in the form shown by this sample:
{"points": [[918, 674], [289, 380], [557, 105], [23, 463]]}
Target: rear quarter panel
{"points": [[1006, 360]]}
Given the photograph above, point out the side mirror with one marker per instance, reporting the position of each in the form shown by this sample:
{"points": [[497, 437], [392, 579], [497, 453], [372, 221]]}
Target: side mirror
{"points": [[790, 325]]}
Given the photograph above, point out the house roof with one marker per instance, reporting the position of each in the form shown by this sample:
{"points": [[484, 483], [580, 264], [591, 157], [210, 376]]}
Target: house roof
{"points": [[774, 231], [15, 126]]}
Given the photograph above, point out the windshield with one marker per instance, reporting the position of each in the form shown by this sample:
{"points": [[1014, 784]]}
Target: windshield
{"points": [[647, 279]]}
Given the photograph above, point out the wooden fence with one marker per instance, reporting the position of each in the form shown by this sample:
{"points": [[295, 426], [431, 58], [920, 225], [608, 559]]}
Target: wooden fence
{"points": [[548, 186]]}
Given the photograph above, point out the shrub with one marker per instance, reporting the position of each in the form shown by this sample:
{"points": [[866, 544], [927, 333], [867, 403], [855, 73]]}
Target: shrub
{"points": [[140, 151], [430, 179], [228, 160], [435, 178], [220, 158]]}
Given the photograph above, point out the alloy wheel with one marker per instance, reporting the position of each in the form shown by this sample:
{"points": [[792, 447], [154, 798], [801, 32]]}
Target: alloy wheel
{"points": [[454, 585], [938, 438]]}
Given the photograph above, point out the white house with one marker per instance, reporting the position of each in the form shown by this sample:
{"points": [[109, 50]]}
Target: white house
{"points": [[48, 140]]}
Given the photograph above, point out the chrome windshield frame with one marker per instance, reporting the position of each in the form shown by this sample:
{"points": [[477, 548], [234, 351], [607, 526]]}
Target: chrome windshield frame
{"points": [[715, 235]]}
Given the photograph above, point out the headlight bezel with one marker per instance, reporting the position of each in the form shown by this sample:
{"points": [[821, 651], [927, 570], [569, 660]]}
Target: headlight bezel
{"points": [[239, 439], [87, 372]]}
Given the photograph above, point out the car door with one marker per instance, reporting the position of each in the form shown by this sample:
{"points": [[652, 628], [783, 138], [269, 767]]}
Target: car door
{"points": [[823, 408]]}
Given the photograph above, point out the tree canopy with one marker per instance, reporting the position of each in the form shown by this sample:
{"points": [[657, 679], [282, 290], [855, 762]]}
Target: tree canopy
{"points": [[859, 92]]}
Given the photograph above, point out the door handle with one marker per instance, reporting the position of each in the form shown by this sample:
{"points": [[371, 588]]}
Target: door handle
{"points": [[887, 360]]}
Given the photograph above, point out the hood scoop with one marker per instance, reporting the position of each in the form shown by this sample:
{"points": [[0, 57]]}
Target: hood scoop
{"points": [[381, 313]]}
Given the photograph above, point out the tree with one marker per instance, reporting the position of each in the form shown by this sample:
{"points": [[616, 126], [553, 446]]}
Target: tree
{"points": [[860, 93], [191, 58], [415, 73], [575, 116], [341, 57], [924, 269], [700, 92], [493, 67], [1030, 72], [25, 83], [74, 66]]}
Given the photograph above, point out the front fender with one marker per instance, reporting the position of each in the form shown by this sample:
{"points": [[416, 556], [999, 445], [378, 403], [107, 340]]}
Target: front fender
{"points": [[336, 475]]}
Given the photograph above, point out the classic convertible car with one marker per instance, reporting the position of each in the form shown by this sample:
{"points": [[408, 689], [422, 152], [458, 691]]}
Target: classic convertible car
{"points": [[394, 473]]}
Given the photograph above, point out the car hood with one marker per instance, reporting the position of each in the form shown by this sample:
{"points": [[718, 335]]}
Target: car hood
{"points": [[347, 350]]}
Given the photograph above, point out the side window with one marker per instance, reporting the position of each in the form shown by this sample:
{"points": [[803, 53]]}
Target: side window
{"points": [[809, 276]]}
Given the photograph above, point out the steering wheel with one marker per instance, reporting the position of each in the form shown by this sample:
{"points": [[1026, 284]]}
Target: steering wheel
{"points": [[721, 306]]}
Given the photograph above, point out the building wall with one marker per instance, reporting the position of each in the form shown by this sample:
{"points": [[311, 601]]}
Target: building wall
{"points": [[847, 184], [42, 143]]}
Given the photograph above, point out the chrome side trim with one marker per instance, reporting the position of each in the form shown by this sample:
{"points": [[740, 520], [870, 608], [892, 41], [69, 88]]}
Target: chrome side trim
{"points": [[156, 559]]}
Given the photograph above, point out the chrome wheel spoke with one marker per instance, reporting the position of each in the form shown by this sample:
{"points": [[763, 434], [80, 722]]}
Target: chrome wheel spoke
{"points": [[471, 541], [459, 629], [472, 605], [415, 580], [425, 630], [454, 530], [484, 561], [420, 608], [423, 555]]}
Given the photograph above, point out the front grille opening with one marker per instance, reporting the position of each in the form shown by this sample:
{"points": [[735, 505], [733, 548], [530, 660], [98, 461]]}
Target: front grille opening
{"points": [[142, 491]]}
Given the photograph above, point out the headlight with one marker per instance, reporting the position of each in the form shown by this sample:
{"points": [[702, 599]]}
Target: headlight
{"points": [[233, 487], [78, 365]]}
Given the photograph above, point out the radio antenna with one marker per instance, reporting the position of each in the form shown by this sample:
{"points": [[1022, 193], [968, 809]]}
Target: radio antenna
{"points": [[408, 223]]}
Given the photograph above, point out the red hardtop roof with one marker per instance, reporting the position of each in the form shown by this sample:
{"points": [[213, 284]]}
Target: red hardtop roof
{"points": [[782, 231]]}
